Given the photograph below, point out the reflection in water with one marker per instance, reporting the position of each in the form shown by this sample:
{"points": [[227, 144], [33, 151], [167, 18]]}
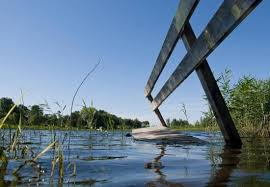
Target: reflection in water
{"points": [[229, 161], [156, 166], [220, 176], [3, 170]]}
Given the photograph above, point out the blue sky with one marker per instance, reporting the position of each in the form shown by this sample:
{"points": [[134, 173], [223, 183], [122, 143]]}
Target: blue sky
{"points": [[48, 46]]}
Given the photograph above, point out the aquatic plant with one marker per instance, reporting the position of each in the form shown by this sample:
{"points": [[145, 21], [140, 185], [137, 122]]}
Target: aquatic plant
{"points": [[249, 104]]}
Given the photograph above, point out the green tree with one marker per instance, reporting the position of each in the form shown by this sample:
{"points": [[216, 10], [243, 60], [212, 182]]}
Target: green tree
{"points": [[36, 115], [179, 123], [22, 111], [145, 124], [77, 121], [5, 105]]}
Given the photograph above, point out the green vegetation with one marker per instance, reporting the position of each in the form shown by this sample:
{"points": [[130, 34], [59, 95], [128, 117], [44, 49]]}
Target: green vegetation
{"points": [[88, 118], [174, 123], [249, 104]]}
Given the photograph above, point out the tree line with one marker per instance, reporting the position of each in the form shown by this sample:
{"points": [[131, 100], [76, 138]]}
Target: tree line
{"points": [[86, 118]]}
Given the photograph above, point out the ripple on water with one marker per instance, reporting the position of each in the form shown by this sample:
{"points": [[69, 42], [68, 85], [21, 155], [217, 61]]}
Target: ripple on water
{"points": [[112, 159]]}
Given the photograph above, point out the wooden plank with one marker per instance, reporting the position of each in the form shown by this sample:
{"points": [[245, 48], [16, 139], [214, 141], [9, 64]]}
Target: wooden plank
{"points": [[157, 112], [165, 135], [228, 16], [184, 11], [214, 96]]}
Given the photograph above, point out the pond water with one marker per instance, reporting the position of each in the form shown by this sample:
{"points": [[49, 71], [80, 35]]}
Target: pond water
{"points": [[112, 159]]}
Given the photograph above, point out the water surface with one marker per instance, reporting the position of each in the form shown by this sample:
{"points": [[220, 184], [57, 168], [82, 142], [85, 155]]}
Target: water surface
{"points": [[112, 159]]}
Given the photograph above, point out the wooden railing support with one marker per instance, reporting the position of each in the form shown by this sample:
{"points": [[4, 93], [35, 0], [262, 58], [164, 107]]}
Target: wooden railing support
{"points": [[229, 15], [157, 112], [214, 95]]}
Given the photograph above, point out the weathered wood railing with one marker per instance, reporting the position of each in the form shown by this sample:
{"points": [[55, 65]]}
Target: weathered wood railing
{"points": [[228, 16]]}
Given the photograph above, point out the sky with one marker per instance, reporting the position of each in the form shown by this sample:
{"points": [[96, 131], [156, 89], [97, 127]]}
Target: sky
{"points": [[47, 47]]}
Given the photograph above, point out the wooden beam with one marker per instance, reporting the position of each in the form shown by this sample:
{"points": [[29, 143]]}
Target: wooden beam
{"points": [[228, 16], [184, 11], [157, 112], [214, 96]]}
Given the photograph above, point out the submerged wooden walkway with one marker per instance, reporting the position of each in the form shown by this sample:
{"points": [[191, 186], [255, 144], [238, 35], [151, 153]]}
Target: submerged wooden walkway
{"points": [[165, 135], [229, 15]]}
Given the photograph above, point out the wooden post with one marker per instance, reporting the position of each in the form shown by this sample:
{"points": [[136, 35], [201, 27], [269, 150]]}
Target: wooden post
{"points": [[157, 112], [214, 95]]}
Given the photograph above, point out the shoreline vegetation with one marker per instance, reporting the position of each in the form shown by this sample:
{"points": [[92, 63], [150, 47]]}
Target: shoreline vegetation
{"points": [[248, 102], [41, 127], [38, 117]]}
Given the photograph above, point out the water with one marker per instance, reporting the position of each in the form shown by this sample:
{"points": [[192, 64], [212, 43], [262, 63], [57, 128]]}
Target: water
{"points": [[111, 159]]}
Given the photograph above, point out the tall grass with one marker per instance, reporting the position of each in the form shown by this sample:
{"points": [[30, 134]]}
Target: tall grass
{"points": [[14, 149], [249, 104]]}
